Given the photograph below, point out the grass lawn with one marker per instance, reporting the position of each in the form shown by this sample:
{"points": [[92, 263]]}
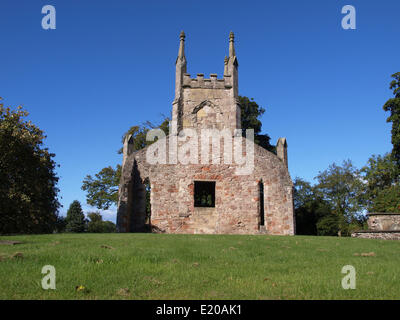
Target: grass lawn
{"points": [[161, 266]]}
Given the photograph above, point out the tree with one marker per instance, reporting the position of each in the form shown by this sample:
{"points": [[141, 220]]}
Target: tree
{"points": [[328, 226], [309, 207], [76, 221], [379, 175], [303, 192], [102, 191], [28, 182], [387, 200], [250, 113], [341, 187], [139, 133], [97, 225], [61, 224], [393, 106]]}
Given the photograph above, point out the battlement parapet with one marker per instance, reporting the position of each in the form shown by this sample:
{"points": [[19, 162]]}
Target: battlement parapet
{"points": [[212, 83]]}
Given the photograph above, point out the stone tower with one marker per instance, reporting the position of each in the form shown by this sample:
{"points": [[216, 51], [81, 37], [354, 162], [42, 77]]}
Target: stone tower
{"points": [[206, 103]]}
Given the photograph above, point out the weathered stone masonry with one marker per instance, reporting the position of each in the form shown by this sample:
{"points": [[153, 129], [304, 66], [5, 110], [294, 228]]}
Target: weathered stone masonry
{"points": [[238, 208], [381, 226]]}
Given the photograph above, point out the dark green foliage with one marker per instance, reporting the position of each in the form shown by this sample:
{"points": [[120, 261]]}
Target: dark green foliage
{"points": [[308, 215], [61, 224], [139, 133], [334, 205], [102, 191], [109, 227], [342, 188], [76, 221], [28, 192], [250, 113], [328, 225], [359, 223], [263, 140], [381, 174], [393, 106], [387, 200], [309, 208], [303, 192], [97, 225]]}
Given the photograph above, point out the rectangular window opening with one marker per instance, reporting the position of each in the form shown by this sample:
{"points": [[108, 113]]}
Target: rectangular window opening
{"points": [[261, 199], [204, 194]]}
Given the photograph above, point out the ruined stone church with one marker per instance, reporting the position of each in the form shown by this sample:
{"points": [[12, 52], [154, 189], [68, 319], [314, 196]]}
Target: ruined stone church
{"points": [[197, 184]]}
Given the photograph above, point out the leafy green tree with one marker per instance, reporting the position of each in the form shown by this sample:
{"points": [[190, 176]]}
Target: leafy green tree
{"points": [[328, 225], [303, 192], [342, 187], [139, 133], [387, 200], [76, 221], [309, 208], [393, 106], [380, 174], [94, 217], [102, 191], [61, 224], [28, 192], [97, 225], [250, 114]]}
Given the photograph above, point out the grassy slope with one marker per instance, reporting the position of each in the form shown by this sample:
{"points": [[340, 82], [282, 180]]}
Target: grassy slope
{"points": [[154, 266]]}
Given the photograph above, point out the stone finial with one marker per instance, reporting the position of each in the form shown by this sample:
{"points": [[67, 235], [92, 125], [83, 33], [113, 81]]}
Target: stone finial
{"points": [[281, 150], [226, 66], [231, 44], [181, 53]]}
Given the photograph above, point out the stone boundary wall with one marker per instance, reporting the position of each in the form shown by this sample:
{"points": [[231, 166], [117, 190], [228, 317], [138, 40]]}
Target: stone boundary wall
{"points": [[384, 221], [368, 234], [381, 225]]}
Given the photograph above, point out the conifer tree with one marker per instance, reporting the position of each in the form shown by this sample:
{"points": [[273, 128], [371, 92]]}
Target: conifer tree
{"points": [[76, 221]]}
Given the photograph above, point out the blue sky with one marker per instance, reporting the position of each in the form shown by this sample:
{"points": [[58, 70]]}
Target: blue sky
{"points": [[109, 65]]}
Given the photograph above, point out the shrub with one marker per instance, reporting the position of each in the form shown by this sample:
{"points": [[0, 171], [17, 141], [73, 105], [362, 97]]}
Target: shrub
{"points": [[328, 226], [97, 225]]}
